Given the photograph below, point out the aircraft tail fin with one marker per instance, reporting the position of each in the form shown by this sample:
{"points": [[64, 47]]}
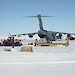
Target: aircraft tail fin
{"points": [[40, 21], [39, 18]]}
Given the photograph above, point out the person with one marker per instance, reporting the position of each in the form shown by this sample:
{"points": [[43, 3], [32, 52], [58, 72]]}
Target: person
{"points": [[36, 42]]}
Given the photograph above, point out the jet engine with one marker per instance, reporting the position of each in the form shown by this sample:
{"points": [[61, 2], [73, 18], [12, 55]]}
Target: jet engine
{"points": [[30, 35]]}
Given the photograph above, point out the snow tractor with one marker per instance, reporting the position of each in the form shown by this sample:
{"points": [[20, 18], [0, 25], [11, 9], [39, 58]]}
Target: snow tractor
{"points": [[12, 42]]}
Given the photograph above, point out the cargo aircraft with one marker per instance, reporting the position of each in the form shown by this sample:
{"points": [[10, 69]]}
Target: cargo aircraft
{"points": [[42, 33]]}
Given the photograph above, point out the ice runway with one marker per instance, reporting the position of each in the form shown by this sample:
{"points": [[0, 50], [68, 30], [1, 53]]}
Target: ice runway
{"points": [[38, 69], [15, 63]]}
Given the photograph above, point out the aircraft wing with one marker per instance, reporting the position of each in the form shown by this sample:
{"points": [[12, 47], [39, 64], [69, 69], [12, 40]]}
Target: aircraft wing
{"points": [[29, 34], [55, 32], [32, 34]]}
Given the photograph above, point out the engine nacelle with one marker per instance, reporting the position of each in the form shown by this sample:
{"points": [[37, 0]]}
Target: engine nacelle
{"points": [[30, 35]]}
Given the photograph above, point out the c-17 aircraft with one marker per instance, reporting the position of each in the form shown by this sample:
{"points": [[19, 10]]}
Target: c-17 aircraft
{"points": [[49, 35]]}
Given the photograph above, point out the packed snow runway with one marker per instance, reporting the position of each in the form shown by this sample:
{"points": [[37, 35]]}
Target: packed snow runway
{"points": [[52, 60], [37, 69]]}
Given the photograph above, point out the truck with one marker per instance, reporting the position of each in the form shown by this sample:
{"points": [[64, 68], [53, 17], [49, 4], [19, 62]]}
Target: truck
{"points": [[12, 42]]}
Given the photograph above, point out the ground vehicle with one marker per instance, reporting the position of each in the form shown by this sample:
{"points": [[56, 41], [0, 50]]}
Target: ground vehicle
{"points": [[72, 38], [12, 42]]}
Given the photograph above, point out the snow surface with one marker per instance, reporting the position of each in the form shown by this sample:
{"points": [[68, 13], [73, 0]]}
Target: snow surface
{"points": [[52, 60]]}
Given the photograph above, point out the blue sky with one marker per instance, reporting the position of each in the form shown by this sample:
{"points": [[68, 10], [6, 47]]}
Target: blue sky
{"points": [[12, 12]]}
